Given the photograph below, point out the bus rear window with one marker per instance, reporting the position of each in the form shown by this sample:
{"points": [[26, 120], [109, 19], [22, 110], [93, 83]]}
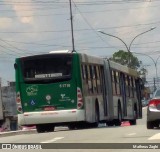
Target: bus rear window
{"points": [[48, 67]]}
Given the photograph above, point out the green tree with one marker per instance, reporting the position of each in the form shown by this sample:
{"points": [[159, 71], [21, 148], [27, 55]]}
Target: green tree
{"points": [[122, 57]]}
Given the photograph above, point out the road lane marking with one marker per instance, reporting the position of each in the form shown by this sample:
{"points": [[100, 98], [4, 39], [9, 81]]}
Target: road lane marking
{"points": [[155, 137], [144, 108], [52, 140], [131, 134]]}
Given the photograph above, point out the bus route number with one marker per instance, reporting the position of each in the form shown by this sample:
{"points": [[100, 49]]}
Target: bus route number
{"points": [[65, 85]]}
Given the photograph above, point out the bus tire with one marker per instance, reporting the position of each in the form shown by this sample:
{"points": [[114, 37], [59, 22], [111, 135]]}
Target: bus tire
{"points": [[40, 128], [71, 127], [45, 128], [110, 123], [50, 128], [133, 122]]}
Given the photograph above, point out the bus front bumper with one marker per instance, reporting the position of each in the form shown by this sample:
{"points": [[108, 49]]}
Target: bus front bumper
{"points": [[62, 116]]}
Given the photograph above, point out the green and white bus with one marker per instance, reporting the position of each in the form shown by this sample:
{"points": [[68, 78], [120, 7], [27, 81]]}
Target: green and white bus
{"points": [[76, 90]]}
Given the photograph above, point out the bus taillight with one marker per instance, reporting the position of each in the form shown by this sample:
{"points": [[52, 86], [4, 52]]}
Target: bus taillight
{"points": [[79, 99], [19, 109], [18, 98]]}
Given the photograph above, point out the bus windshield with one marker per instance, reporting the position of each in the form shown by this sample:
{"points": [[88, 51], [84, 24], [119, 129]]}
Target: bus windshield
{"points": [[49, 67]]}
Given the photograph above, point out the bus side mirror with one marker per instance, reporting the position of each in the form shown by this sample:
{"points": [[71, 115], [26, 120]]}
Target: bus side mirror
{"points": [[15, 66]]}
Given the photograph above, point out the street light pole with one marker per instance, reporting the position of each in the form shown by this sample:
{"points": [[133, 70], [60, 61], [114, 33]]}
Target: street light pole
{"points": [[128, 47], [139, 35], [155, 62], [71, 18]]}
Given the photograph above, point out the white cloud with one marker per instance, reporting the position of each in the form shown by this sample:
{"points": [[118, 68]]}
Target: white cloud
{"points": [[5, 23], [135, 17], [25, 17]]}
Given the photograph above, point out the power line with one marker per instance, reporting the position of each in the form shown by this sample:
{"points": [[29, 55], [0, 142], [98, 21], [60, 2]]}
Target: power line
{"points": [[79, 30], [58, 7], [12, 46], [89, 24], [97, 2]]}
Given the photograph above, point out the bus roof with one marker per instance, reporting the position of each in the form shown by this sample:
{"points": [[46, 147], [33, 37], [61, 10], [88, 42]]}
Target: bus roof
{"points": [[123, 68], [99, 60], [60, 51], [91, 59]]}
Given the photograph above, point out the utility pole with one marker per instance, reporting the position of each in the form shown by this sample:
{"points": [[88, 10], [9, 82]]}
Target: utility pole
{"points": [[71, 18], [154, 84]]}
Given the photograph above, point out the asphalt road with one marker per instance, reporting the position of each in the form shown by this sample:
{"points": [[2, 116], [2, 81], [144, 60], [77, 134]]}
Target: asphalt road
{"points": [[137, 134]]}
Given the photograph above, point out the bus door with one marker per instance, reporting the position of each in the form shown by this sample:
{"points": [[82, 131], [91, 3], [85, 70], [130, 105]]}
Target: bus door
{"points": [[138, 83], [108, 94], [123, 93], [103, 86]]}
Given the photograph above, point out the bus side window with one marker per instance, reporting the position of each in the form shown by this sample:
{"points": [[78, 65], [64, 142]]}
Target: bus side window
{"points": [[83, 72], [86, 71], [94, 79], [84, 78], [89, 80], [98, 80], [91, 74], [113, 82], [101, 79], [117, 83], [127, 86], [132, 87]]}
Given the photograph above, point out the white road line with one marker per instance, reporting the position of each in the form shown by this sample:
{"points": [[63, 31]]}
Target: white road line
{"points": [[52, 140], [155, 137], [144, 108], [131, 134]]}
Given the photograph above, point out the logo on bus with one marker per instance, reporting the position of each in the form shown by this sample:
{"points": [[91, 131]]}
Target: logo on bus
{"points": [[32, 102], [32, 90], [64, 98]]}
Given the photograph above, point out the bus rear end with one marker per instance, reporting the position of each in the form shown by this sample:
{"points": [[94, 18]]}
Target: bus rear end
{"points": [[48, 90]]}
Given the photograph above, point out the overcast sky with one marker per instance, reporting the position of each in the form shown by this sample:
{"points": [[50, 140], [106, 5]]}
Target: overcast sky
{"points": [[39, 26]]}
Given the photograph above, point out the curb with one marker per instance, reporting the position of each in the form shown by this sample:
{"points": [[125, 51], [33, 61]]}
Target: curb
{"points": [[20, 132]]}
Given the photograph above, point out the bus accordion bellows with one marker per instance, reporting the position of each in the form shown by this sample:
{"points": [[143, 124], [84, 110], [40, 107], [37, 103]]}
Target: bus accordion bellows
{"points": [[76, 90]]}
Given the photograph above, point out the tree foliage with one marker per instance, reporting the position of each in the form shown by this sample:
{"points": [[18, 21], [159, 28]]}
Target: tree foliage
{"points": [[128, 59]]}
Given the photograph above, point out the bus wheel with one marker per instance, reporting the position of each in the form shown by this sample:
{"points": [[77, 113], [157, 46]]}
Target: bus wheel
{"points": [[40, 128], [44, 128], [82, 125], [133, 122], [119, 120], [71, 127], [110, 123], [50, 128]]}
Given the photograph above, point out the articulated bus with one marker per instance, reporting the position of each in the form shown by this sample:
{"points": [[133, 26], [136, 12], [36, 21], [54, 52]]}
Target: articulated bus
{"points": [[76, 90]]}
